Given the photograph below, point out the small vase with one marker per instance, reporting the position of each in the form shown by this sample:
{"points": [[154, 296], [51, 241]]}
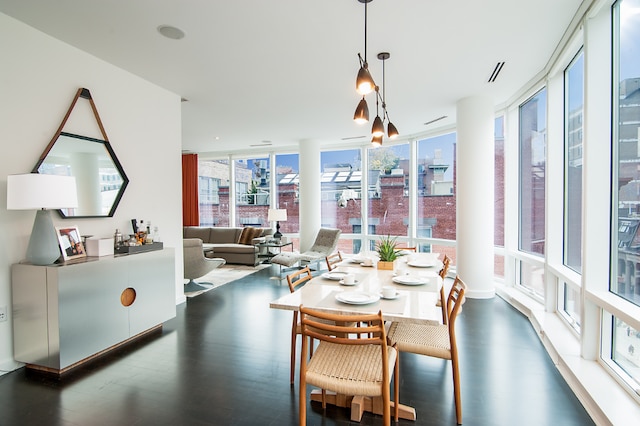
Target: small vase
{"points": [[388, 266]]}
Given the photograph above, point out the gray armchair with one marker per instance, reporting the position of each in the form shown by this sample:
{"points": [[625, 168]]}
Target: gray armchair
{"points": [[325, 244], [196, 264]]}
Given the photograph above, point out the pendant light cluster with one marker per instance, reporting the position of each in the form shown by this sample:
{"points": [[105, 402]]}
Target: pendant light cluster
{"points": [[366, 85]]}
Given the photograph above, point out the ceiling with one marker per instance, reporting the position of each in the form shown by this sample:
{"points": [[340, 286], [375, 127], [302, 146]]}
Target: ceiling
{"points": [[283, 71]]}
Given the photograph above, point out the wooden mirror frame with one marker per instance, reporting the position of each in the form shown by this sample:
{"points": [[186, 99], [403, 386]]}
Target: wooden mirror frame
{"points": [[85, 94]]}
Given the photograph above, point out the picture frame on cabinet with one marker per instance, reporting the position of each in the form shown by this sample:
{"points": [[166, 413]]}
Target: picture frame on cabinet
{"points": [[70, 242]]}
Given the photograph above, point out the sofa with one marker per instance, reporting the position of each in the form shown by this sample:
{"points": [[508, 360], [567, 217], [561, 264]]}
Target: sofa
{"points": [[236, 245]]}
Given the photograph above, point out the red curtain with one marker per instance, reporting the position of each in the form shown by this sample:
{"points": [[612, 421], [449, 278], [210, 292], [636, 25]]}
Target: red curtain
{"points": [[190, 213]]}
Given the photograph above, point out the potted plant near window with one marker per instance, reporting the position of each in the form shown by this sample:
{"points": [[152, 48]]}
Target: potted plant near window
{"points": [[386, 248], [251, 193]]}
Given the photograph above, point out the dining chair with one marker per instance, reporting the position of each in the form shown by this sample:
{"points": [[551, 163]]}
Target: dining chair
{"points": [[443, 274], [296, 280], [333, 259], [349, 360], [438, 341]]}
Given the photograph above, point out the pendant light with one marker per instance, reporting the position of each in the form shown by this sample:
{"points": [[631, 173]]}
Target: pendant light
{"points": [[364, 81], [392, 131], [377, 130], [364, 85], [361, 115]]}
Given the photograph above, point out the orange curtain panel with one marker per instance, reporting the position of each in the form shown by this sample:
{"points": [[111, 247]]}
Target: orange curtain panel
{"points": [[190, 214]]}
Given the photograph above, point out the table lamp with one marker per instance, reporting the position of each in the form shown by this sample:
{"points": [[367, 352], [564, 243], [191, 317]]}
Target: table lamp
{"points": [[277, 215], [43, 192]]}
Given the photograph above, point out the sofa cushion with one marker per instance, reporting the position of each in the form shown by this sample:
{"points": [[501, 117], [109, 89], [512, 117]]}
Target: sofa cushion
{"points": [[224, 235], [196, 232], [248, 234]]}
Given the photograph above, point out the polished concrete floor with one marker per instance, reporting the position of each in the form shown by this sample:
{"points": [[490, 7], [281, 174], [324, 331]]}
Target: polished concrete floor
{"points": [[224, 360]]}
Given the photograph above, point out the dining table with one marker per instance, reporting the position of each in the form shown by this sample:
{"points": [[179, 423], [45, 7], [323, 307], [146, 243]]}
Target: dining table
{"points": [[416, 285]]}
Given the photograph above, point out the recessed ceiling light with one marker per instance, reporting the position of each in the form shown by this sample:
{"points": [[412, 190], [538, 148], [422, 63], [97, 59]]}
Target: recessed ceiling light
{"points": [[171, 32]]}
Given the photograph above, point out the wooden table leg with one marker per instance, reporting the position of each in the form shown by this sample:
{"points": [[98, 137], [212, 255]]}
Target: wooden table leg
{"points": [[360, 404]]}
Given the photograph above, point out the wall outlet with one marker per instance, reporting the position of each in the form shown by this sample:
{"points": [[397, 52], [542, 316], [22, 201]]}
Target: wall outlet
{"points": [[3, 313]]}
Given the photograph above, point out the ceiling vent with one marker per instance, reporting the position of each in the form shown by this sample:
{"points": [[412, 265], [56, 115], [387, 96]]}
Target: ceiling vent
{"points": [[495, 72]]}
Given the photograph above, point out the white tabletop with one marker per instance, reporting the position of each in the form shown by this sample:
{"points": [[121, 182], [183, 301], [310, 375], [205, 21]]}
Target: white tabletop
{"points": [[413, 302]]}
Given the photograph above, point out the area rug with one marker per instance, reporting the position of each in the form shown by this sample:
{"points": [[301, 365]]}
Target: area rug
{"points": [[223, 275]]}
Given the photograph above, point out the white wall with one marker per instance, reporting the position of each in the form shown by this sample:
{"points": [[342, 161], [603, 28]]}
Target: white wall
{"points": [[39, 77]]}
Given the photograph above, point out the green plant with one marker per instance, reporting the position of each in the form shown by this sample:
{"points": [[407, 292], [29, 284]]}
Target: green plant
{"points": [[386, 248], [253, 189]]}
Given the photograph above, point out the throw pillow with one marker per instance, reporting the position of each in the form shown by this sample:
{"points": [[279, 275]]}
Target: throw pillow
{"points": [[248, 234]]}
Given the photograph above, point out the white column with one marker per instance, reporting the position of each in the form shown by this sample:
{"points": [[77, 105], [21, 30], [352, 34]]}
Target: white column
{"points": [[309, 167], [475, 195]]}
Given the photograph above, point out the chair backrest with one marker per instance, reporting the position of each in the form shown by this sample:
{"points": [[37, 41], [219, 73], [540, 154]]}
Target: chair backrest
{"points": [[361, 329], [195, 264], [454, 304], [445, 267], [326, 241], [298, 278], [332, 260]]}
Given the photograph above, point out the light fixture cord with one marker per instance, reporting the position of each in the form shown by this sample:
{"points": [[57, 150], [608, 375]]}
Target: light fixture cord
{"points": [[384, 96], [365, 33]]}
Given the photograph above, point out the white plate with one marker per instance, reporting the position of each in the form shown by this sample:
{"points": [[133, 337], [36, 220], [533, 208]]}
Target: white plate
{"points": [[356, 259], [390, 298], [355, 282], [364, 264], [427, 263], [357, 297], [335, 276], [409, 280]]}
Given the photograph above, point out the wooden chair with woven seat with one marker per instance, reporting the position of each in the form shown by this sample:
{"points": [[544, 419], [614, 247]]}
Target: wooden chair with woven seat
{"points": [[296, 280], [349, 360], [435, 340], [332, 260], [443, 274]]}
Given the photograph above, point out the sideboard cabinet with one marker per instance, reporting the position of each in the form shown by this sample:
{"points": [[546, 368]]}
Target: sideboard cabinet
{"points": [[68, 313]]}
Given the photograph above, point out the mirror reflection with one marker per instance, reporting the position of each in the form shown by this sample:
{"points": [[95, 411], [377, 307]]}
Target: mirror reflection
{"points": [[100, 179]]}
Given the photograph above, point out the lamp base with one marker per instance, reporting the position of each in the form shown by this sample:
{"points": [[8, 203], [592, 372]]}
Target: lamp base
{"points": [[277, 235], [43, 246]]}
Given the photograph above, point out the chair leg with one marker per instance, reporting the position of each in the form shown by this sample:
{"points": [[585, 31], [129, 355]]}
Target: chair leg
{"points": [[396, 387], [456, 388], [443, 303], [294, 337], [303, 402]]}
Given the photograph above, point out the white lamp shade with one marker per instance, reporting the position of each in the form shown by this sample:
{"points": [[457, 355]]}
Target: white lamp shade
{"points": [[277, 215], [33, 191]]}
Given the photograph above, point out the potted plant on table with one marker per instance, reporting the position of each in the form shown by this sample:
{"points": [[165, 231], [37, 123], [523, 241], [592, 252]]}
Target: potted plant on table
{"points": [[387, 251]]}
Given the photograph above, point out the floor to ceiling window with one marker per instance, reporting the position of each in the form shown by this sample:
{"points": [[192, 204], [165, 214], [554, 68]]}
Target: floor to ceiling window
{"points": [[388, 190], [436, 193], [498, 194], [341, 193], [213, 189], [287, 191], [532, 143], [623, 347], [569, 300], [253, 192]]}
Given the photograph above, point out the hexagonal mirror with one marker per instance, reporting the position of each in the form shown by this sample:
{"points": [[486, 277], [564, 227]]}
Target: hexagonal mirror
{"points": [[100, 179]]}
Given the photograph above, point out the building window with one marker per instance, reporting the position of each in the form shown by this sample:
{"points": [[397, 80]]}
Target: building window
{"points": [[573, 123]]}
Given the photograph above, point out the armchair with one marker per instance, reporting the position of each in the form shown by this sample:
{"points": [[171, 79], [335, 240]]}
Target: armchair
{"points": [[196, 264], [325, 243]]}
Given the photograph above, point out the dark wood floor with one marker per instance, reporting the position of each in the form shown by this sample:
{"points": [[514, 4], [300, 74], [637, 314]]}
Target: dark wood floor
{"points": [[224, 360]]}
